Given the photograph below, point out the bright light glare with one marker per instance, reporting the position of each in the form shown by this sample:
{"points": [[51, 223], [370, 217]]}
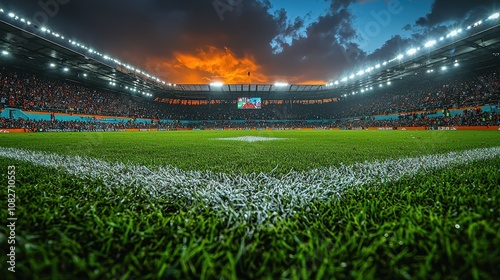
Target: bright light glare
{"points": [[494, 16], [280, 84], [66, 69], [456, 64], [5, 52], [400, 57], [52, 65], [430, 43], [444, 68], [411, 51], [217, 84], [12, 15]]}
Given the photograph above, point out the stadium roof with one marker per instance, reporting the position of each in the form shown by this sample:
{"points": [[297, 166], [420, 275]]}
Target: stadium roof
{"points": [[32, 50]]}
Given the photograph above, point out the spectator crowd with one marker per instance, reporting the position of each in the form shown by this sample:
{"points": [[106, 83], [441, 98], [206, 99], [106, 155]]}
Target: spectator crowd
{"points": [[33, 92]]}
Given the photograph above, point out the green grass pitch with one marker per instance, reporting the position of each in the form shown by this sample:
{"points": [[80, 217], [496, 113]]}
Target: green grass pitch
{"points": [[441, 223]]}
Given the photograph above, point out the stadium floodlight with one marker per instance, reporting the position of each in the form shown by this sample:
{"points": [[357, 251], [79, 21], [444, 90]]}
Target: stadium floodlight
{"points": [[400, 57], [43, 29], [377, 66], [469, 27], [336, 82], [444, 68], [1, 10], [456, 64], [52, 65], [380, 85], [494, 16], [430, 43], [441, 39], [389, 83], [66, 69], [371, 88], [385, 63], [362, 91], [12, 15], [411, 51], [84, 74], [5, 52], [360, 73], [23, 20], [452, 33], [280, 84], [216, 84], [344, 79], [351, 77]]}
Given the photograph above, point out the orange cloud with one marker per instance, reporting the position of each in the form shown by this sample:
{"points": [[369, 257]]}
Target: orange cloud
{"points": [[208, 65]]}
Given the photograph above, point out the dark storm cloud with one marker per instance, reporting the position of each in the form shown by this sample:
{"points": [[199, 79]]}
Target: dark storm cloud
{"points": [[150, 31], [171, 38], [443, 17], [443, 11]]}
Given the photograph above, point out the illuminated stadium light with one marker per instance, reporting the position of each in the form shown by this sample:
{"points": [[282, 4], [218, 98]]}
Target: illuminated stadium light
{"points": [[371, 88], [217, 84], [444, 68], [430, 43], [5, 52], [84, 74], [65, 69], [494, 16], [23, 20], [351, 77], [441, 39], [377, 66], [362, 91], [280, 84], [380, 85], [411, 51], [336, 82], [453, 33], [385, 63], [400, 57], [12, 15], [1, 10], [456, 64], [389, 83], [360, 73], [52, 65], [430, 71]]}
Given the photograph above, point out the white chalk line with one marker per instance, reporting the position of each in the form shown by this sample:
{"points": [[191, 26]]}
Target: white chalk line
{"points": [[254, 198]]}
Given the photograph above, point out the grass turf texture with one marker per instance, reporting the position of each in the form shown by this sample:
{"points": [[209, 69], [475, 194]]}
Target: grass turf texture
{"points": [[71, 228], [305, 150]]}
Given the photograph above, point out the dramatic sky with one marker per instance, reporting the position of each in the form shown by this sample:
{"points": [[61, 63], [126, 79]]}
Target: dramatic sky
{"points": [[294, 41]]}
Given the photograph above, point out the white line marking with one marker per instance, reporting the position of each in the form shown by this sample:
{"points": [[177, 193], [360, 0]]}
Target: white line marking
{"points": [[255, 198], [250, 139]]}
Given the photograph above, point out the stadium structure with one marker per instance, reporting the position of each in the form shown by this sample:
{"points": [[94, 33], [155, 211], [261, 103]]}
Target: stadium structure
{"points": [[248, 195], [472, 48]]}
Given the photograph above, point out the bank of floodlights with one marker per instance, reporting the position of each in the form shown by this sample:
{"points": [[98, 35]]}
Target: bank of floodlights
{"points": [[428, 45], [77, 45]]}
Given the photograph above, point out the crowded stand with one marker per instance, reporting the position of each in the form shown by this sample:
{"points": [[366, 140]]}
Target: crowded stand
{"points": [[414, 104]]}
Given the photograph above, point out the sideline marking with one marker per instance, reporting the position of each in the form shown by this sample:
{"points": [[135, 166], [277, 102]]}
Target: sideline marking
{"points": [[250, 139]]}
